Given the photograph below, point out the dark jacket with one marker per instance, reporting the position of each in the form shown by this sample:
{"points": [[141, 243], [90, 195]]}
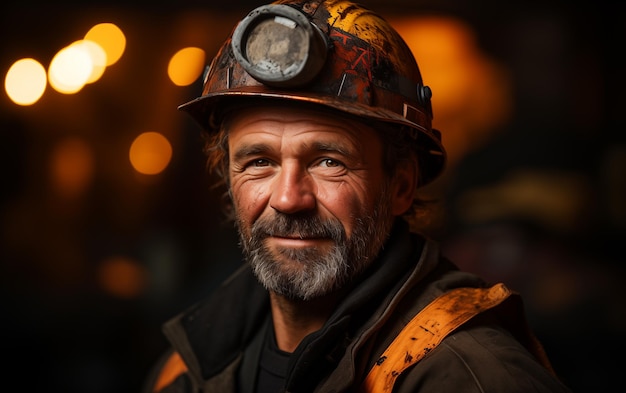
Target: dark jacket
{"points": [[486, 354]]}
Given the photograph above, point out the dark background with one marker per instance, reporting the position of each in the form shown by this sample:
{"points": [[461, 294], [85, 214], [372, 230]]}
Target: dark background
{"points": [[537, 203]]}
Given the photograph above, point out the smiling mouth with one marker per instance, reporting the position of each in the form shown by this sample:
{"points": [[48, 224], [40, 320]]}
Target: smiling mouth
{"points": [[298, 241], [295, 237]]}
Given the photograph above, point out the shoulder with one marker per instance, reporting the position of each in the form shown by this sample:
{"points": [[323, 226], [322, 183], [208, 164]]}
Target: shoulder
{"points": [[480, 357]]}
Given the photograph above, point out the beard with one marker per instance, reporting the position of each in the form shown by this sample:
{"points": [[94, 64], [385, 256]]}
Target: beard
{"points": [[308, 273]]}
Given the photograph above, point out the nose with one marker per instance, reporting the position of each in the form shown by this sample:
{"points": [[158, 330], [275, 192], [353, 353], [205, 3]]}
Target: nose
{"points": [[292, 191]]}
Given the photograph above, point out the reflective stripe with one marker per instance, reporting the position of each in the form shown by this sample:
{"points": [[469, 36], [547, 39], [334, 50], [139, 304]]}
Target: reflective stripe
{"points": [[427, 329], [170, 371]]}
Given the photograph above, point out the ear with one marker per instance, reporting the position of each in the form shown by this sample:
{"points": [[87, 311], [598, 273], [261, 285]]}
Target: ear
{"points": [[403, 186]]}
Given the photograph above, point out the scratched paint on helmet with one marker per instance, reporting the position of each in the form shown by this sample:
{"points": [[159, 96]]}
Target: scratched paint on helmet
{"points": [[370, 71]]}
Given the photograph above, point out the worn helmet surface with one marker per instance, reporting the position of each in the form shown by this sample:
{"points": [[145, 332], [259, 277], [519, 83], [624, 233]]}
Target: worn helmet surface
{"points": [[334, 53]]}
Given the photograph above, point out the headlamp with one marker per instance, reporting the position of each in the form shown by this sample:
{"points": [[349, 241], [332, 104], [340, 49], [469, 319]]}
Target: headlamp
{"points": [[278, 46]]}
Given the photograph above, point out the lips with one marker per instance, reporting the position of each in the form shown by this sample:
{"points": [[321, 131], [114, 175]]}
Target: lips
{"points": [[297, 240], [297, 237]]}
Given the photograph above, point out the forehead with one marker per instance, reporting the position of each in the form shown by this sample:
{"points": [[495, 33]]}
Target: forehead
{"points": [[279, 118]]}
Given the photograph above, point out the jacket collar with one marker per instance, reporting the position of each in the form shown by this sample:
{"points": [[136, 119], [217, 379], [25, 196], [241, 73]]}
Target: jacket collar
{"points": [[213, 333]]}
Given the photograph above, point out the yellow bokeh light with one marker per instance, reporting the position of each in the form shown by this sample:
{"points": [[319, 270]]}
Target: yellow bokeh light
{"points": [[186, 66], [471, 92], [110, 38], [150, 153], [25, 81], [70, 68], [98, 59]]}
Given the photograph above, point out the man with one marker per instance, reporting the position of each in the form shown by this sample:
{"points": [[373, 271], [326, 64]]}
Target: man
{"points": [[319, 124]]}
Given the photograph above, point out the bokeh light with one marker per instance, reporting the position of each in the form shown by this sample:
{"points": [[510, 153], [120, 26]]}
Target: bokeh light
{"points": [[70, 68], [186, 66], [472, 93], [98, 59], [150, 153], [72, 167], [111, 38], [122, 277], [25, 81]]}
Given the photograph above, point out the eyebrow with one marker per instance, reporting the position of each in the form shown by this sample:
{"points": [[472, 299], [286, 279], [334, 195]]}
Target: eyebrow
{"points": [[334, 147], [249, 150], [261, 148]]}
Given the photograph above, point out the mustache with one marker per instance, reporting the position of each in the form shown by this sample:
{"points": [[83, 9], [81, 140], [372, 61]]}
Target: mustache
{"points": [[298, 226]]}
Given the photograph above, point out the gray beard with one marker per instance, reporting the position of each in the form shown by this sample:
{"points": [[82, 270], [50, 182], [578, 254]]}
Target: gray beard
{"points": [[309, 273]]}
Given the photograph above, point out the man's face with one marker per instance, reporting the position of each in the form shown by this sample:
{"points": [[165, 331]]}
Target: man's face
{"points": [[311, 198]]}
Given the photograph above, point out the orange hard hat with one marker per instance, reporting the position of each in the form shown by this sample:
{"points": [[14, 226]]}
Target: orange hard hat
{"points": [[334, 53]]}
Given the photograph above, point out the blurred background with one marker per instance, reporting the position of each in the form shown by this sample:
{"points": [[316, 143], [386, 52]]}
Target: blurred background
{"points": [[109, 224]]}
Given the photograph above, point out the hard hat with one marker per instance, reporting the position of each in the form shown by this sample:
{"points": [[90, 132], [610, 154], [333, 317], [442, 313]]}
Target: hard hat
{"points": [[335, 53]]}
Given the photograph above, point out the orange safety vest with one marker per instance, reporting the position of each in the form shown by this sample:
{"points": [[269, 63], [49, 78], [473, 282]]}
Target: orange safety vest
{"points": [[420, 336]]}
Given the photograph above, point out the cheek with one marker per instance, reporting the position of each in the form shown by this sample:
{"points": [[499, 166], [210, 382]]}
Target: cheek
{"points": [[345, 202], [249, 199]]}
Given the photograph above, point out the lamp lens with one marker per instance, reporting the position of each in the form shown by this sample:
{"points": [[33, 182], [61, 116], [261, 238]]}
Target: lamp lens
{"points": [[277, 46]]}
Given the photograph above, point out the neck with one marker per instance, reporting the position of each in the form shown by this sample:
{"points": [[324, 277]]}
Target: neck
{"points": [[295, 319]]}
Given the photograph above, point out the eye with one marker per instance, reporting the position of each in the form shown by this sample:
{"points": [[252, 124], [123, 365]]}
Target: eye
{"points": [[259, 163], [255, 165], [330, 163]]}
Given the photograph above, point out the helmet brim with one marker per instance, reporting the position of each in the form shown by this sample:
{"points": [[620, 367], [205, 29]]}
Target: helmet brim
{"points": [[205, 110]]}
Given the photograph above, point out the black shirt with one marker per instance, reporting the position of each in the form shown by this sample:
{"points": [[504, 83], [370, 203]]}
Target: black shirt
{"points": [[264, 366]]}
